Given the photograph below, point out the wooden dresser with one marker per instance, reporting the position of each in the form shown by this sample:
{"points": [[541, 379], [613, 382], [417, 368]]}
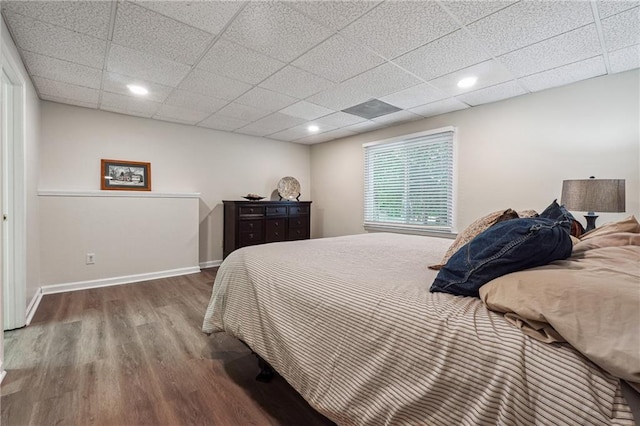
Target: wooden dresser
{"points": [[248, 223]]}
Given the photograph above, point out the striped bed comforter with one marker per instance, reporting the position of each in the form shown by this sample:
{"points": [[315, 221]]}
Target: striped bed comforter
{"points": [[349, 322]]}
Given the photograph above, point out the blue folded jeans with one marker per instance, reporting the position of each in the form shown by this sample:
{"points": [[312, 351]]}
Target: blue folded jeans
{"points": [[505, 247]]}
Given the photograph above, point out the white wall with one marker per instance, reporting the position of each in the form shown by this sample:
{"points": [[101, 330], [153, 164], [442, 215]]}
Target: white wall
{"points": [[514, 153], [219, 165]]}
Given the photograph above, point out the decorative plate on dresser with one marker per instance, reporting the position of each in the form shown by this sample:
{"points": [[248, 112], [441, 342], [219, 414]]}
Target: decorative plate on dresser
{"points": [[289, 188]]}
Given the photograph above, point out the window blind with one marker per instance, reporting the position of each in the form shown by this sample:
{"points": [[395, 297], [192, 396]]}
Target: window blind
{"points": [[408, 183]]}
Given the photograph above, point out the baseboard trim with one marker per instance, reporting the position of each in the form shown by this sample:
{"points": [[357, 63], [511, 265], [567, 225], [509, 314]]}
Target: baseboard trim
{"points": [[128, 279], [33, 305], [210, 264]]}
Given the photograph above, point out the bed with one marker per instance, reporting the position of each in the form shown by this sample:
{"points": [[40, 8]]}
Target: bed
{"points": [[350, 323]]}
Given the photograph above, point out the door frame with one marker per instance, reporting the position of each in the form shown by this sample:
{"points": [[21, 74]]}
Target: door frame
{"points": [[14, 249]]}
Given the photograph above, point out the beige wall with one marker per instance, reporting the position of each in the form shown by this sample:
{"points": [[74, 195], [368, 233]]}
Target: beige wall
{"points": [[514, 153], [219, 165], [128, 235]]}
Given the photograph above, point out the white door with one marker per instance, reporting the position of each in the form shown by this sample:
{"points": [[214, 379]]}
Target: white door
{"points": [[12, 200]]}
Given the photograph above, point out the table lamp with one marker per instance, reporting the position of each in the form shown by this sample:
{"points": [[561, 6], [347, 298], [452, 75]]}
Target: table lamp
{"points": [[590, 195]]}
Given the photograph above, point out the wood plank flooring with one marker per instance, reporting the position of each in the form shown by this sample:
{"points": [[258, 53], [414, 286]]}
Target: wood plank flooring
{"points": [[135, 355]]}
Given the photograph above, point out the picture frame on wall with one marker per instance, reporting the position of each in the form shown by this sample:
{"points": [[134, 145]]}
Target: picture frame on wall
{"points": [[125, 175]]}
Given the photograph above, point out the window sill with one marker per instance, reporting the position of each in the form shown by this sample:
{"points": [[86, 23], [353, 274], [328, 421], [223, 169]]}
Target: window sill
{"points": [[412, 230]]}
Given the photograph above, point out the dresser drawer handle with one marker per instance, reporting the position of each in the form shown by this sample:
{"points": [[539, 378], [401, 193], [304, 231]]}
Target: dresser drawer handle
{"points": [[251, 226], [251, 236], [251, 210], [276, 233], [276, 223]]}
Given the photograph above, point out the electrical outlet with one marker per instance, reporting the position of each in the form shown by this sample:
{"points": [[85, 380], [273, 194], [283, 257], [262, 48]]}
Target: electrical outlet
{"points": [[91, 258]]}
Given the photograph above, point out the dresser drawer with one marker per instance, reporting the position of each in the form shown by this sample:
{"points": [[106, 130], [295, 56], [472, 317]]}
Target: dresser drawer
{"points": [[298, 222], [298, 210], [298, 233], [251, 226], [244, 211], [276, 210], [250, 238], [275, 230]]}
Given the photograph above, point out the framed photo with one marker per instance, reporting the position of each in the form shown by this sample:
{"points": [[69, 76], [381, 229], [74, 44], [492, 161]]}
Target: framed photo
{"points": [[125, 175]]}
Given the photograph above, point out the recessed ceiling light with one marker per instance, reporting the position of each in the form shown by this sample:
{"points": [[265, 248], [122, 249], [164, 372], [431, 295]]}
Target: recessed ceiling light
{"points": [[467, 82], [313, 128], [137, 90]]}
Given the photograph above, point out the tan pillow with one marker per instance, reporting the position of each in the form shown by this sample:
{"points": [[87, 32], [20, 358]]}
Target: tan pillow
{"points": [[608, 240], [629, 224], [473, 230], [528, 213]]}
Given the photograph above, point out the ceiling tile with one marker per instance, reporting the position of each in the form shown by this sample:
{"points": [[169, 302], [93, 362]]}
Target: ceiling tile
{"points": [[564, 49], [86, 17], [148, 31], [275, 30], [492, 94], [333, 14], [291, 134], [439, 107], [265, 99], [384, 80], [414, 96], [69, 101], [338, 119], [128, 105], [237, 62], [145, 66], [622, 30], [117, 83], [222, 123], [295, 82], [183, 115], [210, 16], [565, 75], [447, 54], [625, 59], [46, 39], [306, 110], [326, 136], [397, 118], [243, 112], [344, 95], [529, 22], [271, 124], [489, 73], [188, 100], [205, 83], [59, 70], [470, 11], [394, 28], [65, 90], [365, 126], [607, 8], [337, 59]]}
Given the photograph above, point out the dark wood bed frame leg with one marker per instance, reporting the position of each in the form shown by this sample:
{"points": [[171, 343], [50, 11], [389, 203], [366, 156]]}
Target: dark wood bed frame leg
{"points": [[266, 372]]}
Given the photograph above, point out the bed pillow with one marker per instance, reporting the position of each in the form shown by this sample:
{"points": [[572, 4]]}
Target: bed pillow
{"points": [[473, 230], [505, 247], [629, 224]]}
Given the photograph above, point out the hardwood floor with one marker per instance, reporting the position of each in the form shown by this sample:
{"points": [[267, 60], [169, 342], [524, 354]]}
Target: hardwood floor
{"points": [[134, 355]]}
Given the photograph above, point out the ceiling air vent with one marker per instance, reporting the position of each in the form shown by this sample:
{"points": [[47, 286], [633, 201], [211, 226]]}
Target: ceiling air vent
{"points": [[371, 109]]}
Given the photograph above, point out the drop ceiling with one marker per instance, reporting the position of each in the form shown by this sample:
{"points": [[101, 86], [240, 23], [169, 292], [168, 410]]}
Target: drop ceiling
{"points": [[272, 68]]}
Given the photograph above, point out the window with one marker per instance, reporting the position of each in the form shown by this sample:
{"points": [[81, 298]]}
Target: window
{"points": [[408, 182]]}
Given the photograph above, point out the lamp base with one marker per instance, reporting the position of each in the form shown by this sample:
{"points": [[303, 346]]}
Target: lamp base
{"points": [[591, 221]]}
